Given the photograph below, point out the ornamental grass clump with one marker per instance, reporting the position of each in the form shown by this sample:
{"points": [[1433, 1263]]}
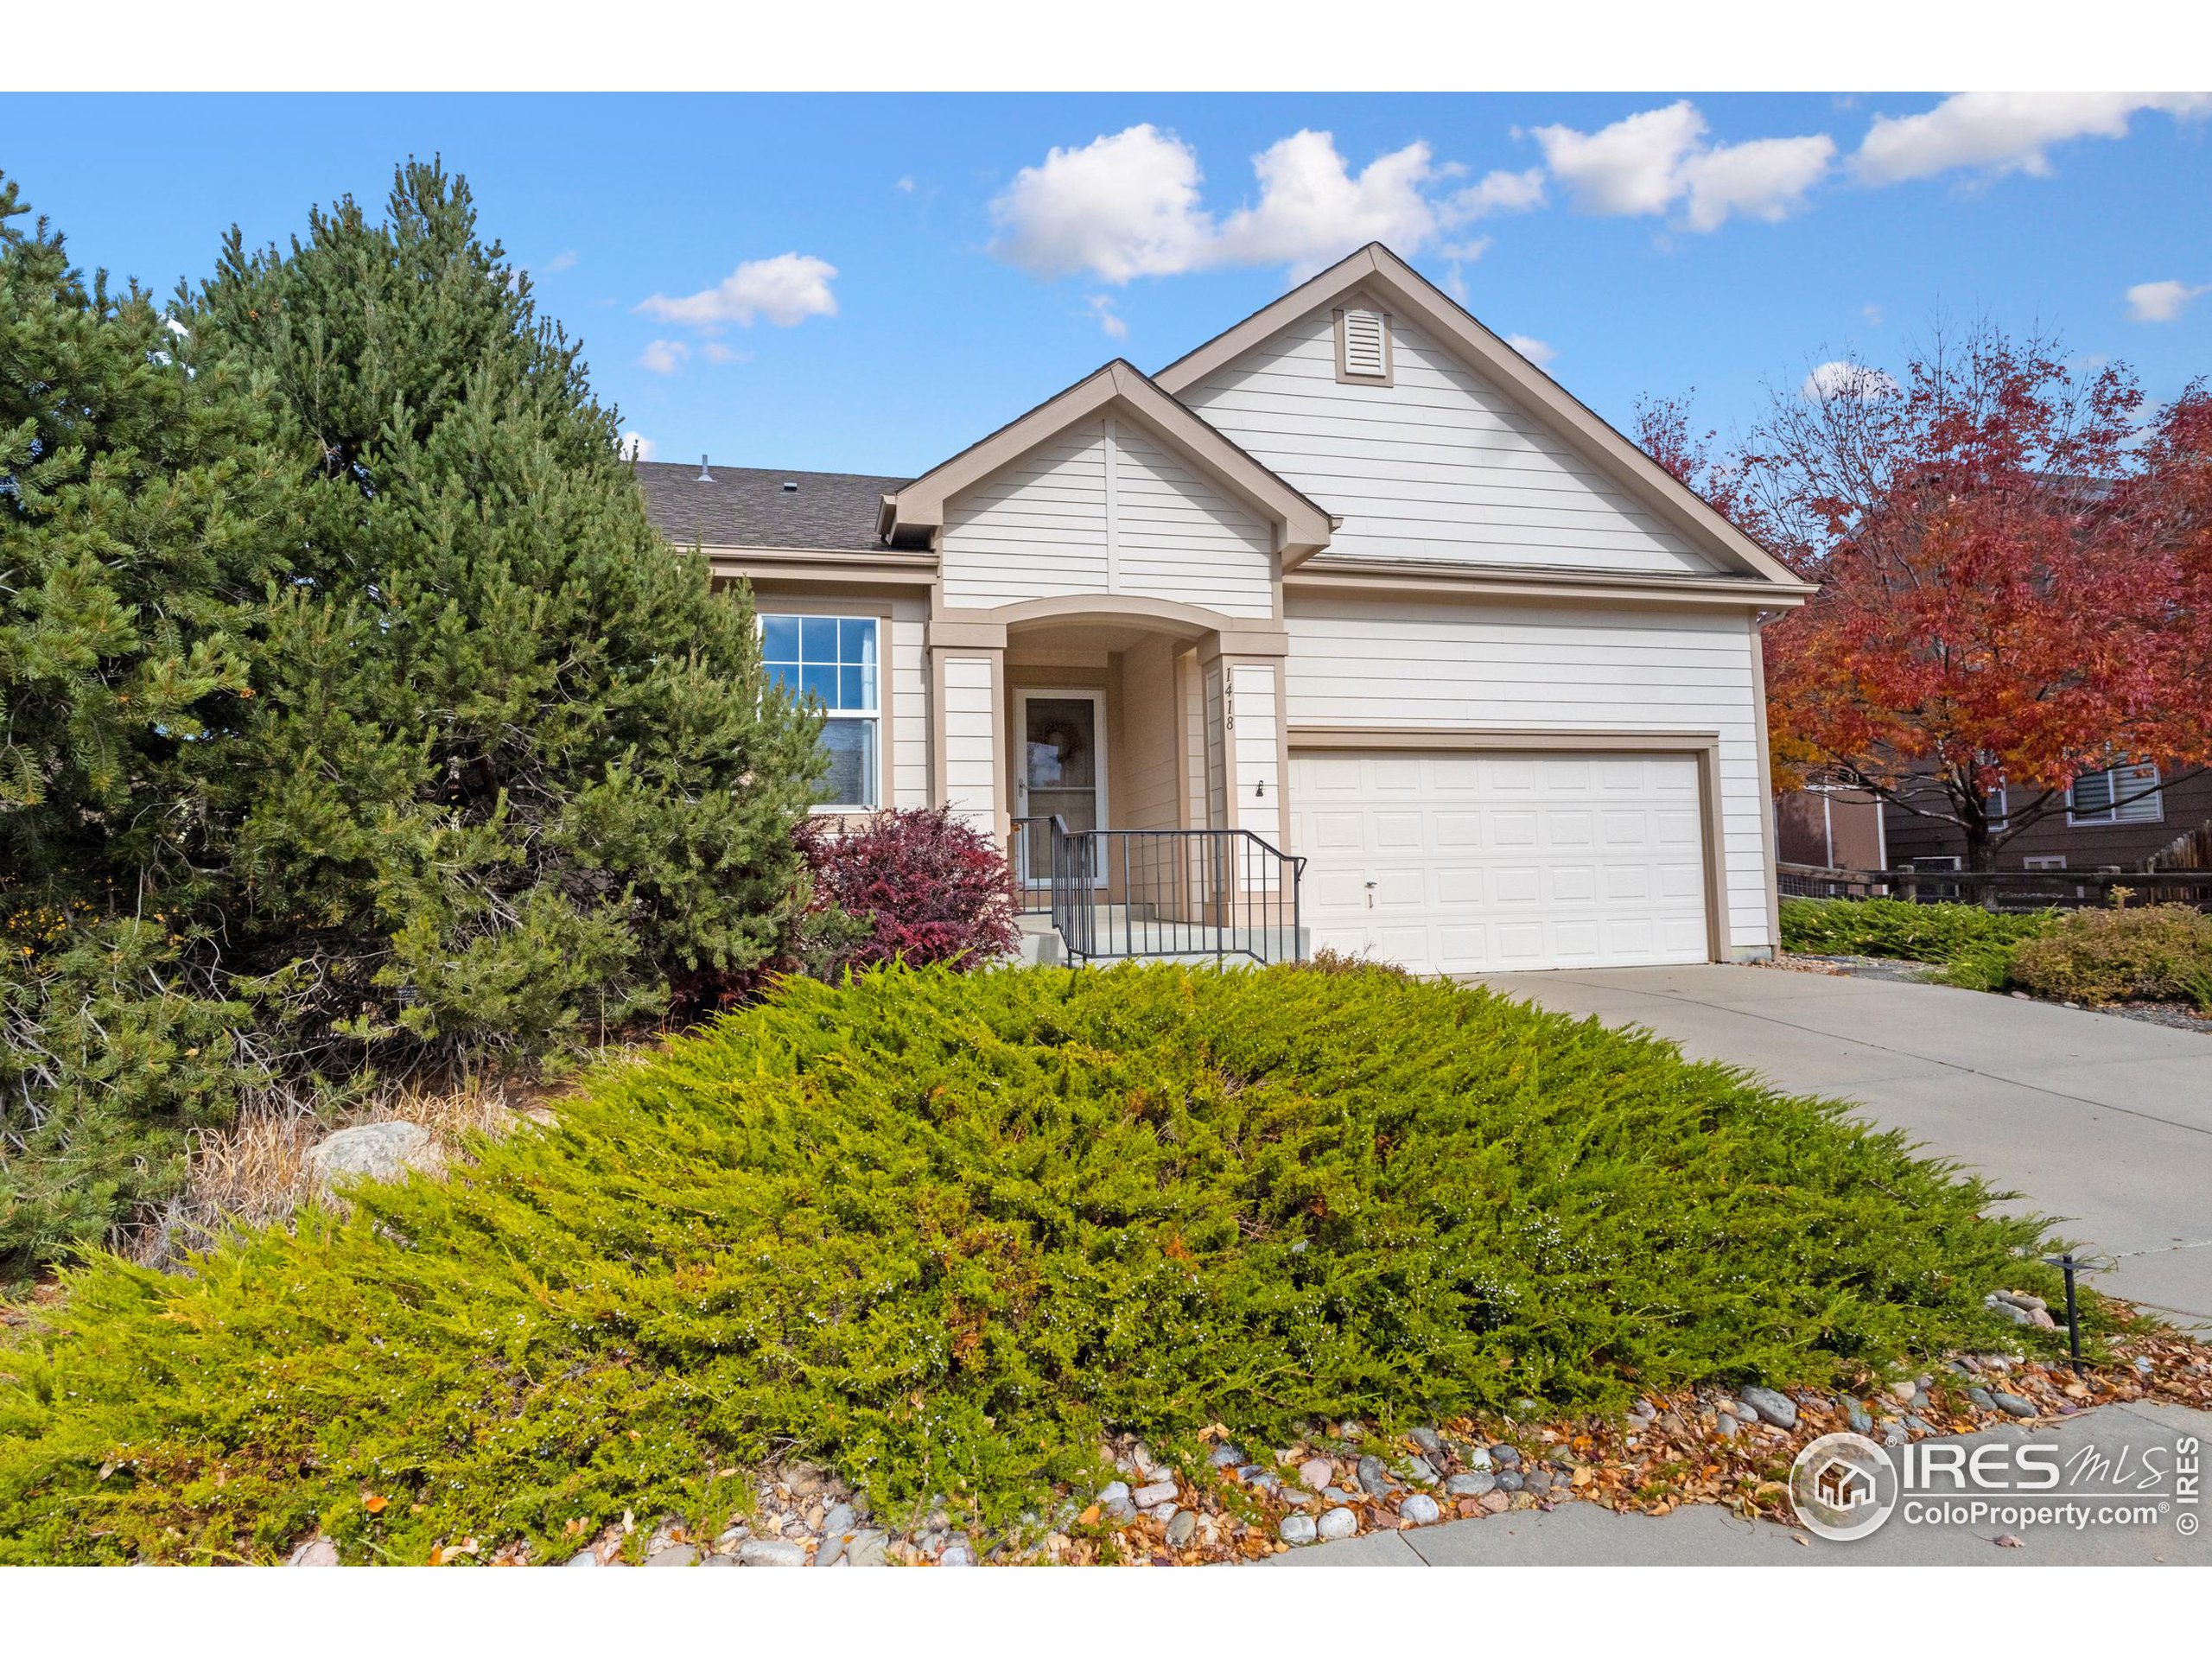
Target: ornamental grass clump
{"points": [[939, 1231]]}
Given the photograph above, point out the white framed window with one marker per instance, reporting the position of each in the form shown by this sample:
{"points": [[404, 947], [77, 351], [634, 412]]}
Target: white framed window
{"points": [[1363, 345], [2043, 862], [833, 660], [2123, 795], [2000, 809]]}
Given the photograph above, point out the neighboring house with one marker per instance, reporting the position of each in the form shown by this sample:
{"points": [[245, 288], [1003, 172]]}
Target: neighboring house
{"points": [[1833, 826], [2111, 818], [1354, 580]]}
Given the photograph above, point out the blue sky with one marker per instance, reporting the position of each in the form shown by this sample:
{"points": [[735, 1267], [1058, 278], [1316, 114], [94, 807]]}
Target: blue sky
{"points": [[1651, 242]]}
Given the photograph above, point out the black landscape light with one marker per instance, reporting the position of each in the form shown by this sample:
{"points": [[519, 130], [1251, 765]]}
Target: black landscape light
{"points": [[2067, 1265]]}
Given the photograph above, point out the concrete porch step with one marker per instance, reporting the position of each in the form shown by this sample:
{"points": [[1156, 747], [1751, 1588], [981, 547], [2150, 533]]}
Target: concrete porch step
{"points": [[1115, 934]]}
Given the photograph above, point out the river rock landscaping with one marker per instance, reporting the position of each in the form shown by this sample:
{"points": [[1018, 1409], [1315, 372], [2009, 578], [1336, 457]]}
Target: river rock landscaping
{"points": [[1714, 1446], [1138, 1264]]}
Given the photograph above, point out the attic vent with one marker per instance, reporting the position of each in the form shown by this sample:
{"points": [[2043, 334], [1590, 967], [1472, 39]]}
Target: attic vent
{"points": [[790, 484], [1363, 345]]}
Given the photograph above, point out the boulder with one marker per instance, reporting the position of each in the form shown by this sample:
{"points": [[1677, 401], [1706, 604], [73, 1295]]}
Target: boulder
{"points": [[376, 1152]]}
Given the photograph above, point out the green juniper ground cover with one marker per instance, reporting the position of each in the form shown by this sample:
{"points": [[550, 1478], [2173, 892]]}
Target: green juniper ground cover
{"points": [[938, 1231]]}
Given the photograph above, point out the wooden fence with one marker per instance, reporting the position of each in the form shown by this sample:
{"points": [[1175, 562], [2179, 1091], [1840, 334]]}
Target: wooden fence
{"points": [[2000, 889]]}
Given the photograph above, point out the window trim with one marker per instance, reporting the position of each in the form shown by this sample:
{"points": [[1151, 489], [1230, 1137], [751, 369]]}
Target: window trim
{"points": [[1344, 375], [2107, 816], [2043, 862], [780, 604]]}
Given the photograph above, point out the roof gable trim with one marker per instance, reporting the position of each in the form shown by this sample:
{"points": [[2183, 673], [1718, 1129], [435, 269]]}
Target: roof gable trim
{"points": [[917, 510], [1377, 271]]}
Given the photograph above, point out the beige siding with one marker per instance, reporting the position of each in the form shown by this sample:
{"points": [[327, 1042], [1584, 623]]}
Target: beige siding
{"points": [[1439, 466], [907, 713], [1036, 529], [1216, 748], [1104, 509], [1180, 538], [1576, 669], [1190, 691], [1148, 755], [1256, 745], [971, 759]]}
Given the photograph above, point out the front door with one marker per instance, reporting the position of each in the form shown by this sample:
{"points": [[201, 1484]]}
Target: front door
{"points": [[1060, 767]]}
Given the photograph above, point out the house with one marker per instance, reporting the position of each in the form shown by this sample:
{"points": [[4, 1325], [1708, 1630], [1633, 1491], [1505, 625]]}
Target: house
{"points": [[2111, 819], [1348, 628], [1832, 825]]}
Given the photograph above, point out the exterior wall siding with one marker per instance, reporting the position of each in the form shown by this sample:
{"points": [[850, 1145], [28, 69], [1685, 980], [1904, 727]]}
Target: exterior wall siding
{"points": [[1437, 466], [1455, 666], [1103, 509], [971, 752], [906, 712], [1147, 733], [2084, 845], [1256, 735]]}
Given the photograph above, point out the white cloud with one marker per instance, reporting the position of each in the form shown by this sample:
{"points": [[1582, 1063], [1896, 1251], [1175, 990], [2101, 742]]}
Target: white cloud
{"points": [[1766, 179], [2002, 132], [1102, 311], [785, 290], [1532, 348], [2162, 302], [905, 185], [636, 446], [714, 351], [664, 356], [1311, 211], [1123, 206], [1497, 191], [1651, 161], [560, 262], [1631, 167], [1127, 204], [1842, 378], [1873, 314]]}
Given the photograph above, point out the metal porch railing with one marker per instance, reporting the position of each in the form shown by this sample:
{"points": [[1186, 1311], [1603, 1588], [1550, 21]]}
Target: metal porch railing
{"points": [[1127, 894]]}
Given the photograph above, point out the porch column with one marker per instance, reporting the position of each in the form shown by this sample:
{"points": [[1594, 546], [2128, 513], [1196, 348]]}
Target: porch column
{"points": [[1247, 761], [1252, 721], [967, 686]]}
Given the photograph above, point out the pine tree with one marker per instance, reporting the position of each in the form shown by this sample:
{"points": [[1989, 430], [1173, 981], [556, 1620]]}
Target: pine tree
{"points": [[144, 512], [357, 718], [509, 721]]}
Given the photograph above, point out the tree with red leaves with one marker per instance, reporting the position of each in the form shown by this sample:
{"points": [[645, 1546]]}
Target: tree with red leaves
{"points": [[2013, 594]]}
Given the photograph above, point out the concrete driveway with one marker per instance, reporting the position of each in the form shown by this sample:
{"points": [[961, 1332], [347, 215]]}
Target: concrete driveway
{"points": [[2101, 1121]]}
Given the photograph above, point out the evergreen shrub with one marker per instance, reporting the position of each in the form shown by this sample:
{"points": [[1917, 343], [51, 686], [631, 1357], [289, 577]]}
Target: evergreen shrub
{"points": [[940, 1231]]}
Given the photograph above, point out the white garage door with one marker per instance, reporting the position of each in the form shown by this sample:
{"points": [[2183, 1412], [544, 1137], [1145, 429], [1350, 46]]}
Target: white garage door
{"points": [[1477, 861]]}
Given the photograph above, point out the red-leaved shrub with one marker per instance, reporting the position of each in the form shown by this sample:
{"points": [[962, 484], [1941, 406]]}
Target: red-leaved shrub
{"points": [[928, 887]]}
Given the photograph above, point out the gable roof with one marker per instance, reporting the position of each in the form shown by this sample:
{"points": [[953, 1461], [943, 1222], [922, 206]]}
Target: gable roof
{"points": [[1121, 388], [748, 507], [1380, 271]]}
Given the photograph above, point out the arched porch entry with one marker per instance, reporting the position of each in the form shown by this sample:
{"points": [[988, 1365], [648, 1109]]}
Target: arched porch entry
{"points": [[1140, 724]]}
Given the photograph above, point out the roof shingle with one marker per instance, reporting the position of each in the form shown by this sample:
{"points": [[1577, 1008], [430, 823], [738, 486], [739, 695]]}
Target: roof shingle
{"points": [[748, 507]]}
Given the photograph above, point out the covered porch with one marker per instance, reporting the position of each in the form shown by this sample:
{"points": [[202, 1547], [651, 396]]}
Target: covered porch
{"points": [[1130, 756]]}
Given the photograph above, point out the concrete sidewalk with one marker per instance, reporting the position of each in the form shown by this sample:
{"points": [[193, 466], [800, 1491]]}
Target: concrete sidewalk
{"points": [[2103, 1123], [1705, 1534]]}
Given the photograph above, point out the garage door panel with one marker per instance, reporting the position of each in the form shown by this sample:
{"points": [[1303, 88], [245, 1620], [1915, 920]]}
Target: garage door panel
{"points": [[1467, 861], [1574, 883], [1513, 829]]}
